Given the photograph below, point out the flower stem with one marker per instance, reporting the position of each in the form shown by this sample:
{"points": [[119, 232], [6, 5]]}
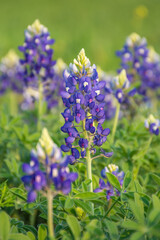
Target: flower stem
{"points": [[12, 103], [50, 214], [115, 121], [40, 89], [88, 159], [89, 169]]}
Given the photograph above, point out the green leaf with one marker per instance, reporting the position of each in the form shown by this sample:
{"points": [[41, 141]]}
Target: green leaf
{"points": [[85, 206], [155, 178], [18, 236], [156, 202], [87, 195], [4, 226], [74, 226], [42, 232], [69, 203], [137, 208], [138, 187], [112, 229], [31, 236], [14, 229], [113, 181], [136, 236], [129, 224], [127, 180]]}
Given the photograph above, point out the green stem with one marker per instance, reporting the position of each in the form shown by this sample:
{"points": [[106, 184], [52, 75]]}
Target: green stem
{"points": [[115, 121], [12, 103], [88, 158], [40, 89], [50, 214]]}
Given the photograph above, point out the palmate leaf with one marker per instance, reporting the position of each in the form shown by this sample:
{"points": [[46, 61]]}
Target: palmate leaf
{"points": [[156, 178], [137, 208], [136, 236], [154, 216], [129, 224], [112, 229]]}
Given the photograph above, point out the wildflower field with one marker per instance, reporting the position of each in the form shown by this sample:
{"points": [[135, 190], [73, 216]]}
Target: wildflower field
{"points": [[79, 145]]}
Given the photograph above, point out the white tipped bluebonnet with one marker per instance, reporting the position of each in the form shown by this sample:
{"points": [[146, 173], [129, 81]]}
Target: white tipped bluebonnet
{"points": [[11, 73], [141, 63], [152, 124], [110, 191], [47, 168], [84, 104]]}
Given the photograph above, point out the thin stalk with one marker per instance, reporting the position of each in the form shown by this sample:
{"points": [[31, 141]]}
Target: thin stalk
{"points": [[50, 214], [115, 121], [40, 89], [12, 103], [88, 159]]}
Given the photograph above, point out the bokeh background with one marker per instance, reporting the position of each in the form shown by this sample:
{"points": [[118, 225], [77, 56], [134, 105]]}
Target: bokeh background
{"points": [[100, 26]]}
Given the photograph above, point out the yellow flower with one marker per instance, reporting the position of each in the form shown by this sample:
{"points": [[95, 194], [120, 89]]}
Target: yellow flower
{"points": [[37, 27], [46, 142], [141, 11], [11, 59], [151, 119], [60, 66], [121, 81], [112, 167]]}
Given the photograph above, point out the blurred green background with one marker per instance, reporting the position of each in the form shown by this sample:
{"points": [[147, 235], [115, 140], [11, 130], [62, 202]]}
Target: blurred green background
{"points": [[100, 26]]}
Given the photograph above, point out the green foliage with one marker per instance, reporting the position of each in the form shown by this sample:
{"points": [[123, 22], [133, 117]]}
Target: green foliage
{"points": [[74, 226], [134, 214]]}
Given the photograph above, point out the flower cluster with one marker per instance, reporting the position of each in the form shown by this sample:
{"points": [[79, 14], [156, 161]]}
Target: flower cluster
{"points": [[110, 105], [37, 54], [141, 63], [10, 73], [110, 191], [51, 89], [46, 168], [40, 69], [84, 104], [120, 86], [152, 124]]}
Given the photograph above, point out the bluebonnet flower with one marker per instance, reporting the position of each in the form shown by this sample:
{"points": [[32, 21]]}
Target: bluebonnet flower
{"points": [[110, 191], [37, 54], [30, 96], [40, 72], [47, 167], [51, 89], [110, 104], [84, 104], [120, 86], [10, 73], [141, 63], [152, 124]]}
